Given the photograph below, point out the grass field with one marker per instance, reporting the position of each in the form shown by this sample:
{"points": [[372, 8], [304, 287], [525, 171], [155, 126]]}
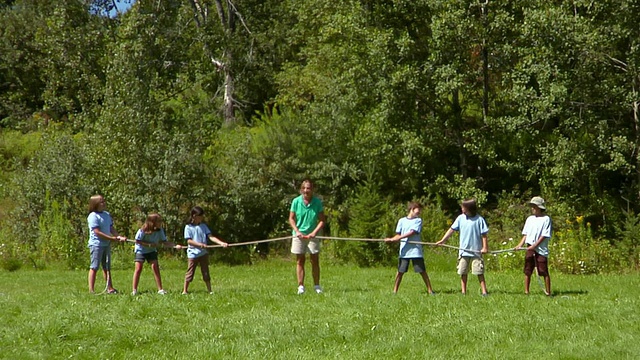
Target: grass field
{"points": [[255, 314]]}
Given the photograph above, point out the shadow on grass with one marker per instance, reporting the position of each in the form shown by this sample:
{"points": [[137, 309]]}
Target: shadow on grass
{"points": [[569, 292]]}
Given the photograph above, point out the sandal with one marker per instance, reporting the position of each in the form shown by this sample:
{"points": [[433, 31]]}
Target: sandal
{"points": [[112, 291]]}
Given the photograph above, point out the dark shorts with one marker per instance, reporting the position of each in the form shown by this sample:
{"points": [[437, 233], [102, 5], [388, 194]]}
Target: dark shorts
{"points": [[534, 260], [149, 257], [100, 255], [418, 265], [203, 261]]}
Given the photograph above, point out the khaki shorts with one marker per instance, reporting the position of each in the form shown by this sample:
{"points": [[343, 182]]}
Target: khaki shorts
{"points": [[477, 265], [304, 246]]}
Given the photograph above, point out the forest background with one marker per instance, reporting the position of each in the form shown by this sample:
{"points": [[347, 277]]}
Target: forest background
{"points": [[230, 104]]}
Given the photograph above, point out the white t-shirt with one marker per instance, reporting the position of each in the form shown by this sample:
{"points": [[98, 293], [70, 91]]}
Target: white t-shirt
{"points": [[534, 228]]}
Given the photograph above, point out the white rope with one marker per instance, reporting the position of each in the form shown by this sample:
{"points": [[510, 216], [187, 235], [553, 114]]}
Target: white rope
{"points": [[251, 242], [343, 239], [420, 243]]}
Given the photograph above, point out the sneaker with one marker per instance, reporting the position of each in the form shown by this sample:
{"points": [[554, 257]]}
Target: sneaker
{"points": [[162, 292], [485, 294], [134, 293], [318, 289], [210, 292], [185, 293], [432, 292], [300, 289]]}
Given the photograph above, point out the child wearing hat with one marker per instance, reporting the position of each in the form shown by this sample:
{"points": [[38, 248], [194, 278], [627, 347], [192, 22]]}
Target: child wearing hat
{"points": [[536, 234]]}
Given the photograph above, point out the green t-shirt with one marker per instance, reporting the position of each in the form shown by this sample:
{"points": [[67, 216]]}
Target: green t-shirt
{"points": [[306, 215]]}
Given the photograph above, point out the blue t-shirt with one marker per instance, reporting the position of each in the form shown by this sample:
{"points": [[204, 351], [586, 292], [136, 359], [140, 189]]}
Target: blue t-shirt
{"points": [[535, 227], [405, 225], [155, 237], [198, 233], [306, 215], [471, 231], [101, 220]]}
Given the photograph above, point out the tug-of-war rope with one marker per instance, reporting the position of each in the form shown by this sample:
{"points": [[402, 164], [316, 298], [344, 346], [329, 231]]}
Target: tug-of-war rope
{"points": [[339, 239], [347, 239]]}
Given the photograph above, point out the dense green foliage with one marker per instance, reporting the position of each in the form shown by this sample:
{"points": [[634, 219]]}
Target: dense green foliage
{"points": [[229, 105]]}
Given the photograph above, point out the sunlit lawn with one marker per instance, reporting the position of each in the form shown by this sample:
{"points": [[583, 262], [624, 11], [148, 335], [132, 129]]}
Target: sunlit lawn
{"points": [[255, 314]]}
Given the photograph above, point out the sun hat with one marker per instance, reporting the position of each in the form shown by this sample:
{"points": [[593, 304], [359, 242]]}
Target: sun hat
{"points": [[537, 201]]}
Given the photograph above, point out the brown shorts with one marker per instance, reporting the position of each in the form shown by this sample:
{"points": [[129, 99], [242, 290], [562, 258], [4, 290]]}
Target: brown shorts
{"points": [[534, 260], [203, 261]]}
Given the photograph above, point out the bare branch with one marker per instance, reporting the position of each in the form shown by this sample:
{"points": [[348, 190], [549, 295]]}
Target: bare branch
{"points": [[221, 14], [237, 13], [620, 64]]}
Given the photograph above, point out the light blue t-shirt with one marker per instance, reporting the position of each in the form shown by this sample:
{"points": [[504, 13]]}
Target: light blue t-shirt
{"points": [[198, 233], [471, 231], [101, 220], [306, 215], [535, 227], [405, 225], [155, 237]]}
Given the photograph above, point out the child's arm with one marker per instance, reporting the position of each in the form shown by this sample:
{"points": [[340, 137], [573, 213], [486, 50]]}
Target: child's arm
{"points": [[485, 244], [399, 237], [196, 244], [292, 222], [218, 241], [118, 237], [104, 236], [169, 244], [147, 244], [446, 237], [535, 245]]}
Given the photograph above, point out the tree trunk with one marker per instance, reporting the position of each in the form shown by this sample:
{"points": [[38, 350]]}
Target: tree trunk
{"points": [[227, 22]]}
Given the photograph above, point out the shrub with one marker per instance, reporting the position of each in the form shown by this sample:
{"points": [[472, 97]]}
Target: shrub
{"points": [[575, 250]]}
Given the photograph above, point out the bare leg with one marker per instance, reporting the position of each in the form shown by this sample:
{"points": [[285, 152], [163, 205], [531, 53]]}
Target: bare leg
{"points": [[204, 268], [483, 284], [463, 283], [300, 260], [547, 285], [396, 286], [315, 268], [425, 278], [527, 282], [136, 275], [107, 278], [156, 274], [92, 280]]}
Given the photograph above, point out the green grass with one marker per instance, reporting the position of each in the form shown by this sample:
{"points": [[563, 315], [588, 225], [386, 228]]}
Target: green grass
{"points": [[255, 314]]}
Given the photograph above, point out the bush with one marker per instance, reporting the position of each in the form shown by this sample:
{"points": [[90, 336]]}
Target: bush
{"points": [[369, 218], [575, 250], [57, 239]]}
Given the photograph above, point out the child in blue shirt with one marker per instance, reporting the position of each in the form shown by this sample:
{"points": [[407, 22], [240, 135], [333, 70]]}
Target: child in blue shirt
{"points": [[101, 234], [407, 233], [473, 243], [196, 233], [148, 239]]}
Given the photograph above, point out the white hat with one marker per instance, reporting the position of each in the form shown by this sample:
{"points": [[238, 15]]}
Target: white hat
{"points": [[537, 201]]}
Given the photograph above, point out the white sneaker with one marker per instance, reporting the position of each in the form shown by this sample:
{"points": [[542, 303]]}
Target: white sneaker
{"points": [[318, 289], [162, 292], [300, 289], [134, 293]]}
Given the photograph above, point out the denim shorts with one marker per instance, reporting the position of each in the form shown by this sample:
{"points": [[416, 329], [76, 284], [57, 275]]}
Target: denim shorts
{"points": [[100, 255]]}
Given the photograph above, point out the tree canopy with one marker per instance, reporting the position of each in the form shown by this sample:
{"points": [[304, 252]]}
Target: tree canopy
{"points": [[230, 104]]}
